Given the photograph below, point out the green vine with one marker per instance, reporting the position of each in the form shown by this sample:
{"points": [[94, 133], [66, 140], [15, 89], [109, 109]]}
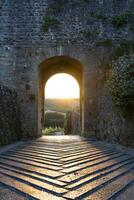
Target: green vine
{"points": [[88, 1], [121, 83], [87, 34], [51, 17], [105, 43], [122, 20], [50, 21], [125, 47], [119, 21], [99, 16], [56, 7]]}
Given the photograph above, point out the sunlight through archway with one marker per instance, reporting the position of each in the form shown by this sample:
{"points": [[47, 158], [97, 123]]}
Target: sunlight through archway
{"points": [[62, 86], [62, 105]]}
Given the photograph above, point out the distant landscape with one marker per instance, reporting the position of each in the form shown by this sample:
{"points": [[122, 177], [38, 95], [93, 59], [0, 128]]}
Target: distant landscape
{"points": [[55, 114], [61, 105]]}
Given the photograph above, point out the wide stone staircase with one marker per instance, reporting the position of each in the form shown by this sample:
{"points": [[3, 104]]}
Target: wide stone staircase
{"points": [[66, 167]]}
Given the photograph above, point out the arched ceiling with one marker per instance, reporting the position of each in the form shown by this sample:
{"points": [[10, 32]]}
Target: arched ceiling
{"points": [[61, 64]]}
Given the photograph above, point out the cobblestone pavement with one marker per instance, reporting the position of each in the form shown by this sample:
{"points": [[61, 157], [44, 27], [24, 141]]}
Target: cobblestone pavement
{"points": [[66, 167]]}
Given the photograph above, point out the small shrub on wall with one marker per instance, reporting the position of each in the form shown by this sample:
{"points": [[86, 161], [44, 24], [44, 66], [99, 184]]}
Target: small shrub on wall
{"points": [[121, 83], [50, 21], [119, 21]]}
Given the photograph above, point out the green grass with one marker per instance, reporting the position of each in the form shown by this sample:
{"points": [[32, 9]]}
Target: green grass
{"points": [[51, 130]]}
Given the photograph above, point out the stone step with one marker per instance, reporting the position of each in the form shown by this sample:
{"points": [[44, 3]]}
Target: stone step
{"points": [[27, 190], [82, 152], [88, 158], [33, 163], [108, 191], [95, 174], [42, 185], [21, 166], [42, 154], [54, 159], [71, 158], [34, 175], [32, 158], [94, 166], [55, 162], [96, 185]]}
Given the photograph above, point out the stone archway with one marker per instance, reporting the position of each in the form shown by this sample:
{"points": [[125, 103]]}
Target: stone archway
{"points": [[54, 65]]}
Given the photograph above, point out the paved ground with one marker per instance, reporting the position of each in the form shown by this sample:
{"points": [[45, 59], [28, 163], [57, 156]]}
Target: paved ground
{"points": [[66, 167]]}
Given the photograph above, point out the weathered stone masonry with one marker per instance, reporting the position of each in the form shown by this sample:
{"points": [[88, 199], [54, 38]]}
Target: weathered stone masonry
{"points": [[10, 124], [84, 27]]}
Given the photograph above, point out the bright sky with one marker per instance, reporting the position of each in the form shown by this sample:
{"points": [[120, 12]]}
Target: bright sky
{"points": [[63, 86]]}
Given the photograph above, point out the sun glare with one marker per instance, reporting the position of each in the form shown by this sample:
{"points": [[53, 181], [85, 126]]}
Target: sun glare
{"points": [[62, 86]]}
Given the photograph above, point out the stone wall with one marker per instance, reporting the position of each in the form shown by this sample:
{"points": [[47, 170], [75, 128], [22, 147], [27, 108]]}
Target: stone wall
{"points": [[10, 126], [75, 122], [112, 125], [72, 124]]}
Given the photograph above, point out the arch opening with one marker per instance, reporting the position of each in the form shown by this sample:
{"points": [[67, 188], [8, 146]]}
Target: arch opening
{"points": [[62, 105], [52, 67], [62, 86]]}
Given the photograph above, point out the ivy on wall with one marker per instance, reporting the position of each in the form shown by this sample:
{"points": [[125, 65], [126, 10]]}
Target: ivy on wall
{"points": [[121, 20], [125, 47], [51, 19], [121, 83]]}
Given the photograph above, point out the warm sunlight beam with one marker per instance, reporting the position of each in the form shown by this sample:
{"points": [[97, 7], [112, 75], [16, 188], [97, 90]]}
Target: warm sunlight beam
{"points": [[61, 86]]}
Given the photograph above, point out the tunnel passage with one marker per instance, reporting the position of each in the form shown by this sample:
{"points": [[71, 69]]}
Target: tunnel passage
{"points": [[52, 66]]}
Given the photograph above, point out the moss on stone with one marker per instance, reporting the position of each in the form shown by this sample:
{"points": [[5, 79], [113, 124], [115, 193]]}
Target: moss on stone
{"points": [[88, 1], [87, 34], [105, 43], [49, 22], [119, 21], [99, 16], [125, 47]]}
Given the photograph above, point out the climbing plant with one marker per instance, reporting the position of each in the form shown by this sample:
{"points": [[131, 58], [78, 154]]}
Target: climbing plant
{"points": [[105, 43], [121, 20], [121, 83], [99, 16], [125, 47], [51, 19]]}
